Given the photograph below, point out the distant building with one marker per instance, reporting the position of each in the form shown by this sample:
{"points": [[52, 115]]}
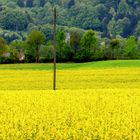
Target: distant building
{"points": [[7, 54], [67, 40]]}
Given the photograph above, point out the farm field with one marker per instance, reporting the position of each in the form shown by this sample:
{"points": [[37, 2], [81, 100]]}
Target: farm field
{"points": [[97, 100]]}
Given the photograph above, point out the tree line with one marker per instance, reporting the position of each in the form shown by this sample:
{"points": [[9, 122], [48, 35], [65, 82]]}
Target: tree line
{"points": [[87, 30], [72, 46], [109, 17]]}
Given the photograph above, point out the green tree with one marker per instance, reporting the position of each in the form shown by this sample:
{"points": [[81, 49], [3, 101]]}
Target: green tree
{"points": [[137, 29], [88, 46], [131, 49], [111, 27], [71, 3], [63, 50], [75, 41], [112, 12], [3, 46], [34, 41], [30, 3], [17, 50], [115, 48], [14, 19], [123, 9], [20, 3], [122, 26], [42, 3], [46, 52]]}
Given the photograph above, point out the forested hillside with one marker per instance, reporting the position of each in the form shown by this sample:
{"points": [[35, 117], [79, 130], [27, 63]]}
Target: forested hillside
{"points": [[87, 30], [110, 17]]}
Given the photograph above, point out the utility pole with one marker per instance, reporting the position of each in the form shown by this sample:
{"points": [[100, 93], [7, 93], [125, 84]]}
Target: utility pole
{"points": [[54, 52]]}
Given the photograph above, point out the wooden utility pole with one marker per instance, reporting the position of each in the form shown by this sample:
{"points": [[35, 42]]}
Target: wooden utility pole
{"points": [[54, 52]]}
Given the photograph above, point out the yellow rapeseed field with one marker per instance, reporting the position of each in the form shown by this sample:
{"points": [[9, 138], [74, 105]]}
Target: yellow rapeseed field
{"points": [[70, 79], [92, 104]]}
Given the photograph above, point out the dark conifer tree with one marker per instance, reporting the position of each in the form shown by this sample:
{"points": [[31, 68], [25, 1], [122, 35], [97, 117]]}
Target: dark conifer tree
{"points": [[42, 3], [71, 3], [20, 3], [29, 3]]}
